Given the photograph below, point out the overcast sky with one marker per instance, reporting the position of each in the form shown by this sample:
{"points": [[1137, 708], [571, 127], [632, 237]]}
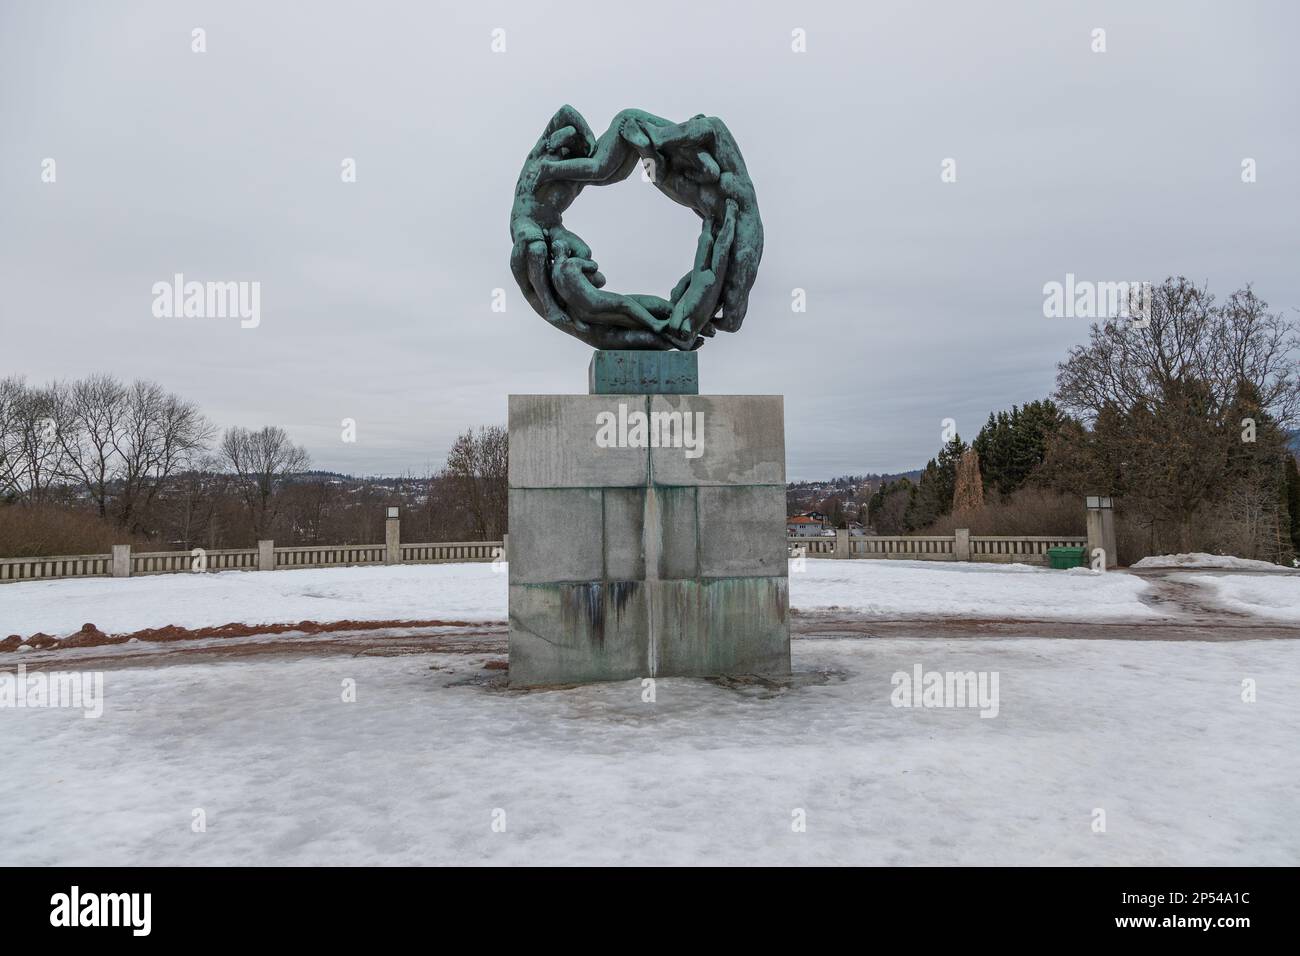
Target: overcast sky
{"points": [[924, 298]]}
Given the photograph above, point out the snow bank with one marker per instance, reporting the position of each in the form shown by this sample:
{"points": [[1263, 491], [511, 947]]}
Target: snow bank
{"points": [[1199, 559], [1153, 733], [1275, 597]]}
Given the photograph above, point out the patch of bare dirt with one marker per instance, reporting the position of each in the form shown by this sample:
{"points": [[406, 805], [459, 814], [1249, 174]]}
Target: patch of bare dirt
{"points": [[91, 636], [840, 624]]}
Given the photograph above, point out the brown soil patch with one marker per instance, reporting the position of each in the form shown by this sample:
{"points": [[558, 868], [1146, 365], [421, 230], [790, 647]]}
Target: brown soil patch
{"points": [[91, 636]]}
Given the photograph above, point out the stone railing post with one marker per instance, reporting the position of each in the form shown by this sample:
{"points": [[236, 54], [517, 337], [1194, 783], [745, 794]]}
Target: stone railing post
{"points": [[121, 560], [1101, 528], [961, 544], [266, 555], [842, 543], [393, 537], [505, 548]]}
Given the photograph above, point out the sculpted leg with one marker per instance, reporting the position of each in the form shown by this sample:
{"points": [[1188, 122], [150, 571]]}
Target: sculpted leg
{"points": [[594, 306], [519, 269], [697, 304], [539, 279]]}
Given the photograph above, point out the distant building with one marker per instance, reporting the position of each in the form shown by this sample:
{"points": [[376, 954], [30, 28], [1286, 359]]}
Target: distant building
{"points": [[804, 526]]}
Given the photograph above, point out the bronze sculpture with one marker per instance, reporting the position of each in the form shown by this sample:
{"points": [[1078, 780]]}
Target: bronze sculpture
{"points": [[696, 164]]}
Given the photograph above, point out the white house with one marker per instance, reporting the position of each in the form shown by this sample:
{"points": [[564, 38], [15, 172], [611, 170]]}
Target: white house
{"points": [[803, 526]]}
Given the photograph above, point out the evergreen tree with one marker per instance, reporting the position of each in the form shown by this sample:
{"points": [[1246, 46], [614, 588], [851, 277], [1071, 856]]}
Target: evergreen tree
{"points": [[886, 511], [1292, 474], [1012, 446], [934, 491]]}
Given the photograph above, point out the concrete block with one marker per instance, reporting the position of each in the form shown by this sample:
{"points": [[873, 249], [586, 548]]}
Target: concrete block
{"points": [[121, 560], [639, 561], [842, 543], [739, 439], [575, 633], [961, 544], [742, 531], [392, 541], [679, 545], [266, 555], [553, 443], [725, 626], [555, 535], [1101, 534], [624, 533]]}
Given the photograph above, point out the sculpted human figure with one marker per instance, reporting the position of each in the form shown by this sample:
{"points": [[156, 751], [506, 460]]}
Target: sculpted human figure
{"points": [[536, 217], [578, 282], [699, 165]]}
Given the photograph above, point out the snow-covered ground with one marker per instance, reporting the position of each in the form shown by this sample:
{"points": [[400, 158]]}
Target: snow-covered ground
{"points": [[462, 592], [475, 592], [960, 589], [1154, 734]]}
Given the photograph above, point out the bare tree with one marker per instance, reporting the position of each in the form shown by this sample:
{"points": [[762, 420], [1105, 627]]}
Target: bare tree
{"points": [[477, 467], [159, 435], [1165, 405], [1125, 365], [261, 460], [94, 413], [187, 513], [37, 455], [11, 391]]}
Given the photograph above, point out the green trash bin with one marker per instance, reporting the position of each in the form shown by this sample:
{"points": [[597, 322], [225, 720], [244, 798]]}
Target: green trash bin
{"points": [[1062, 558]]}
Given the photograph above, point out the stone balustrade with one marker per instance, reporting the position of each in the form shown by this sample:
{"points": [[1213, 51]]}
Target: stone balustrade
{"points": [[962, 546], [266, 557]]}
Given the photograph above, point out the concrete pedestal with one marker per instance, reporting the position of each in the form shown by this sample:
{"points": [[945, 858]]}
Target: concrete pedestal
{"points": [[627, 372], [647, 537]]}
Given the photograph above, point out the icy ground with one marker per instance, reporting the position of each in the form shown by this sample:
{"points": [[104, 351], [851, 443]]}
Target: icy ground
{"points": [[475, 592], [435, 748], [1155, 734], [1271, 597]]}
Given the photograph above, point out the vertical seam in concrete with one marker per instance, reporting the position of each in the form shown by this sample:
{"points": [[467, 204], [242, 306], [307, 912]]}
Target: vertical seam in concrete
{"points": [[649, 575], [649, 462], [699, 558]]}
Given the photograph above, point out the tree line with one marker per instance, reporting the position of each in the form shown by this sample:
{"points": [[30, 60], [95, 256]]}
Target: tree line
{"points": [[96, 461], [1187, 419]]}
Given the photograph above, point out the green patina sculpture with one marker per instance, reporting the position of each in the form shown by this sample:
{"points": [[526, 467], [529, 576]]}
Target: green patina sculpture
{"points": [[695, 163]]}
